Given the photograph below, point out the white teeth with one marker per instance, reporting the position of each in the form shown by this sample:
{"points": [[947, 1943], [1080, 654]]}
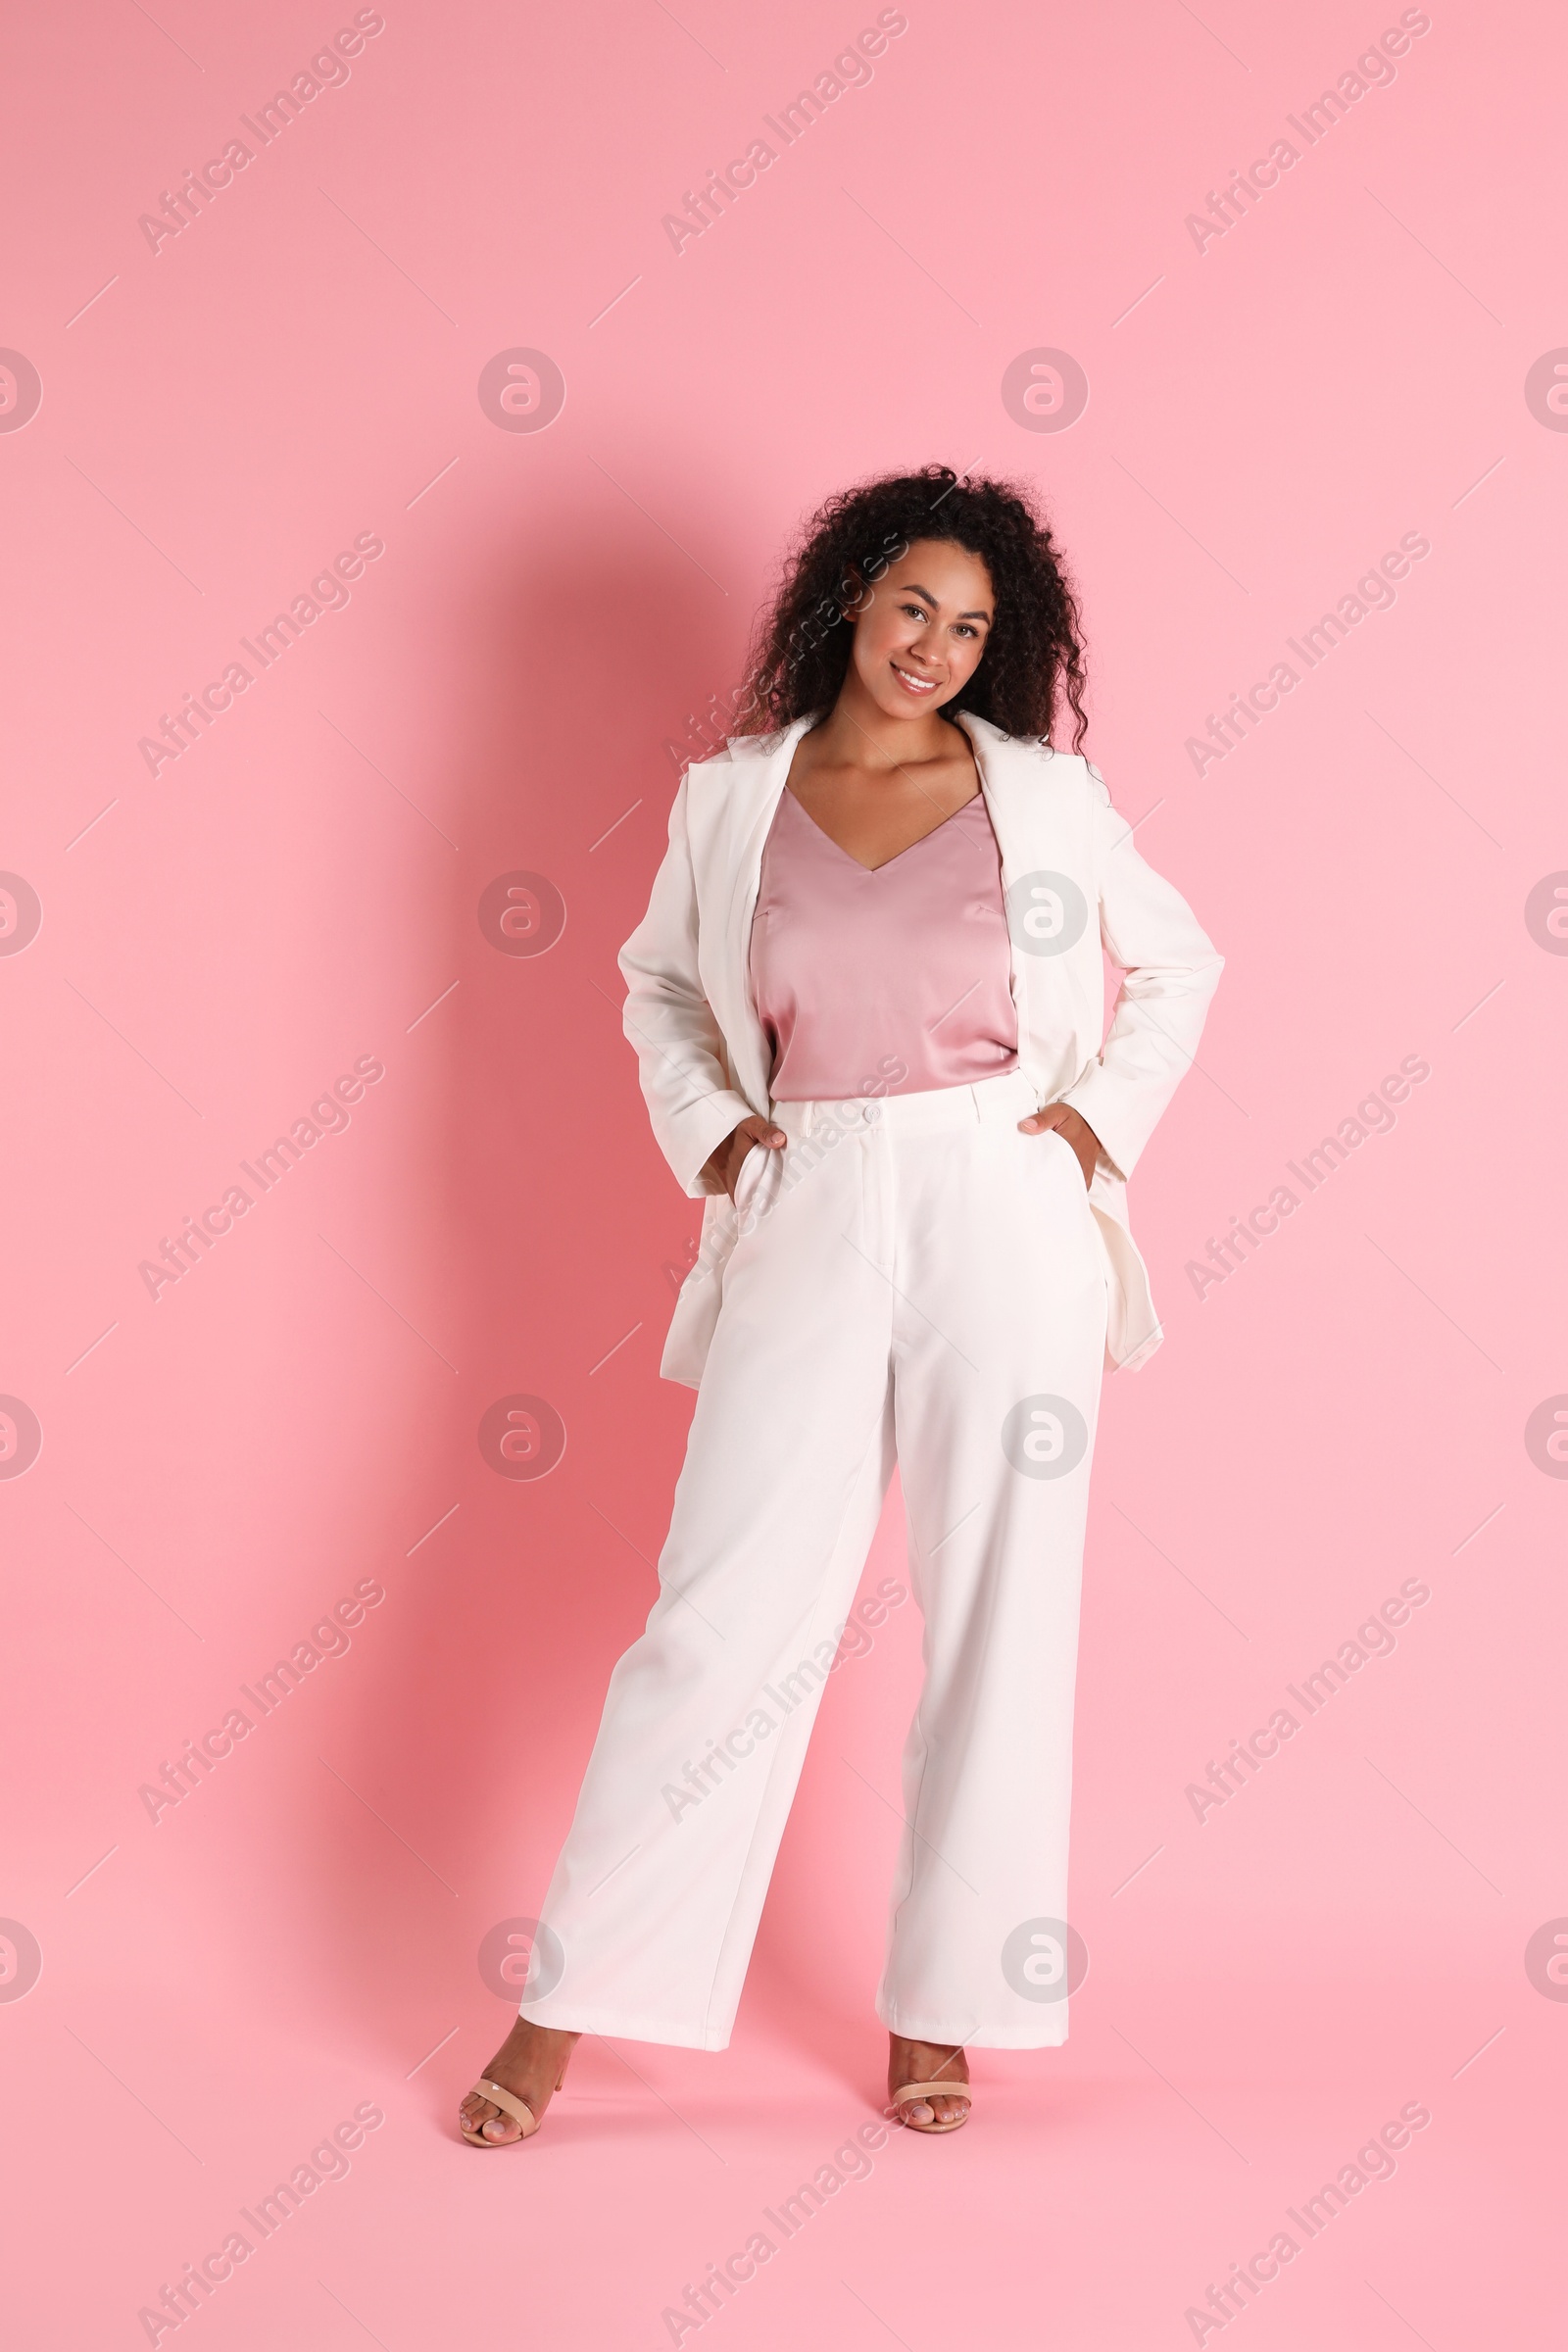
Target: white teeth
{"points": [[920, 685]]}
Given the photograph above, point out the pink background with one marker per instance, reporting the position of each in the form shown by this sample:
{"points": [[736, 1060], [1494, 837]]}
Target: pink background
{"points": [[300, 889]]}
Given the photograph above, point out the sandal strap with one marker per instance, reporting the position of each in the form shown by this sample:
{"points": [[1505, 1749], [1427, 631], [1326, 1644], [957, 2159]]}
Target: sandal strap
{"points": [[518, 2109], [926, 2090]]}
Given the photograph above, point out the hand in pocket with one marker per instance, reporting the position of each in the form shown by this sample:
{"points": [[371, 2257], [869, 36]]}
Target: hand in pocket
{"points": [[1060, 1119], [725, 1164]]}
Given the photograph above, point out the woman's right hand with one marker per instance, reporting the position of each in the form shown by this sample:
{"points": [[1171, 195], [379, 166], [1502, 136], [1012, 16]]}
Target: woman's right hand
{"points": [[723, 1164]]}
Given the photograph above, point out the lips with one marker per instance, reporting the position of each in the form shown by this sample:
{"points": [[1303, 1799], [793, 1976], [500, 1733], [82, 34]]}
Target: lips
{"points": [[914, 684]]}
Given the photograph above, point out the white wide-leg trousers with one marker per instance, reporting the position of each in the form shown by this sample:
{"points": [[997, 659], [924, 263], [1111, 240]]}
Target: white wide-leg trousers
{"points": [[916, 1282]]}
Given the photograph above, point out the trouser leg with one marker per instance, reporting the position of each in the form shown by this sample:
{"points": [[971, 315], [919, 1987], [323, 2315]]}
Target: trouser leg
{"points": [[654, 1904], [997, 1367]]}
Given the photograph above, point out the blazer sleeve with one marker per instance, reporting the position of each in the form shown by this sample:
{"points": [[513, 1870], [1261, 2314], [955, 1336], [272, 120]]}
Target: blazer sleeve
{"points": [[668, 1020], [1169, 973]]}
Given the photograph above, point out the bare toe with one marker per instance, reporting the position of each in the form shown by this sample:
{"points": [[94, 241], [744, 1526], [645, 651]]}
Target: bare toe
{"points": [[934, 2064], [529, 2064]]}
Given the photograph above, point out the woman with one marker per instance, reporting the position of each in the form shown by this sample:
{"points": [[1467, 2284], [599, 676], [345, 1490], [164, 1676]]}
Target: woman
{"points": [[867, 1003]]}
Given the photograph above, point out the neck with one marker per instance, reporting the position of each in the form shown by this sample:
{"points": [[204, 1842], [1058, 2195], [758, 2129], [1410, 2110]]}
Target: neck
{"points": [[860, 734]]}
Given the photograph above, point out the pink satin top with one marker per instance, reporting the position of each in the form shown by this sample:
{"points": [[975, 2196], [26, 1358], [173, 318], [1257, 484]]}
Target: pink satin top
{"points": [[886, 980]]}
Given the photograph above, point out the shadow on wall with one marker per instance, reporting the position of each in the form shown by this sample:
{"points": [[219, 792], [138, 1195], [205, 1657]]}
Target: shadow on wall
{"points": [[553, 1215]]}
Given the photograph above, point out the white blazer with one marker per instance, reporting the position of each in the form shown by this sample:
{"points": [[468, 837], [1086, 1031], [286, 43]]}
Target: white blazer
{"points": [[704, 1060]]}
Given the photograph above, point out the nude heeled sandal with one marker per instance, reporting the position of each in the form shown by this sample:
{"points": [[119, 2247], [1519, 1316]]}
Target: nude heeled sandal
{"points": [[927, 2090], [509, 2104]]}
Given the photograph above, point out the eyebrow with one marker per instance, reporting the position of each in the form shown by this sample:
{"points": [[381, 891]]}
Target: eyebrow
{"points": [[914, 588]]}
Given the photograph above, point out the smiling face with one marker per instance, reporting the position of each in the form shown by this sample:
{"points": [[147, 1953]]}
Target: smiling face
{"points": [[922, 634]]}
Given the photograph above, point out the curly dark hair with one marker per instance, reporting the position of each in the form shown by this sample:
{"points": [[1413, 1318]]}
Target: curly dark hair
{"points": [[1034, 657]]}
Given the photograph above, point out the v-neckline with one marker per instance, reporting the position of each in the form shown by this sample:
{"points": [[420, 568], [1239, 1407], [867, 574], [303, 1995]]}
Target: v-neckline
{"points": [[859, 864]]}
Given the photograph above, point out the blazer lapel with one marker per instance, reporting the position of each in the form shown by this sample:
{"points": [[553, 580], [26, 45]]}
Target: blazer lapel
{"points": [[1042, 829], [752, 784]]}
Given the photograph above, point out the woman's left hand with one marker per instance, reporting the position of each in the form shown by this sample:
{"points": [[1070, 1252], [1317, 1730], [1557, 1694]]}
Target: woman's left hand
{"points": [[1074, 1130]]}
